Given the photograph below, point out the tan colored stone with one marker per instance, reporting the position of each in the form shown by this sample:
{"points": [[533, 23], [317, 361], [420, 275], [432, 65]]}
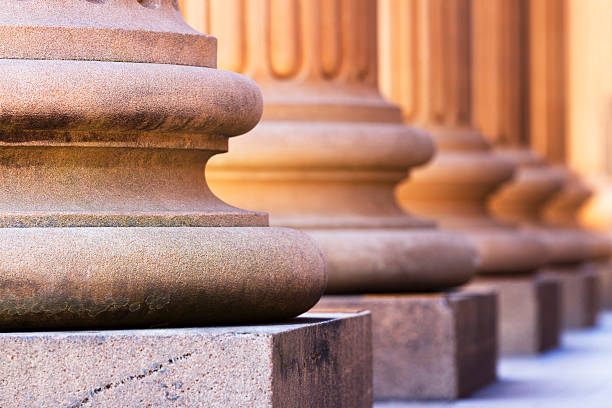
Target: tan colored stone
{"points": [[108, 277], [519, 70], [436, 346], [530, 315], [316, 360], [150, 31], [550, 193], [376, 260], [588, 90], [580, 294], [427, 71], [330, 149], [111, 111]]}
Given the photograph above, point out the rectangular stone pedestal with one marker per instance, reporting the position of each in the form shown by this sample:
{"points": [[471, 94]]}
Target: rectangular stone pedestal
{"points": [[316, 360], [604, 268], [428, 346], [529, 312], [580, 294]]}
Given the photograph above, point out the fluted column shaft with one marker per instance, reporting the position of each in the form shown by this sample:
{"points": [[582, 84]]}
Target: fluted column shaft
{"points": [[503, 33]]}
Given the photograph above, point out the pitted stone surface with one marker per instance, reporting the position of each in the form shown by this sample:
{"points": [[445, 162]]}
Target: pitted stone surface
{"points": [[109, 277], [316, 360], [102, 30], [112, 110]]}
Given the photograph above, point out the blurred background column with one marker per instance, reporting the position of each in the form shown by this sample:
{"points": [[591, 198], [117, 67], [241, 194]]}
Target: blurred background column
{"points": [[586, 35], [326, 159], [588, 105], [516, 105], [425, 68]]}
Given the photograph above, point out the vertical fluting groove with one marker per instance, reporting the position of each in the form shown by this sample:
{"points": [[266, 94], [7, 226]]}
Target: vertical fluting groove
{"points": [[487, 68], [547, 76], [403, 54], [439, 63], [449, 66], [299, 40], [284, 37], [331, 38], [411, 55], [514, 81], [463, 51], [358, 23]]}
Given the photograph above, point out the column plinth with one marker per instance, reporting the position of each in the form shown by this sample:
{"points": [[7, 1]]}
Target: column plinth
{"points": [[112, 110]]}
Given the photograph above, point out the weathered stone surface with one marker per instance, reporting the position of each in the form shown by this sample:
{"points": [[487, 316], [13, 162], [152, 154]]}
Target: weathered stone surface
{"points": [[579, 293], [106, 277], [429, 346], [529, 312], [111, 112], [315, 360], [98, 30]]}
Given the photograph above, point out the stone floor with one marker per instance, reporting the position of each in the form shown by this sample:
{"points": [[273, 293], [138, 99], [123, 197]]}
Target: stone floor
{"points": [[579, 374]]}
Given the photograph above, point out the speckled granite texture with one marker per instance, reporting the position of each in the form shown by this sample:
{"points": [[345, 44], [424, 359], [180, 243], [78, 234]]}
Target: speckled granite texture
{"points": [[110, 112], [316, 360]]}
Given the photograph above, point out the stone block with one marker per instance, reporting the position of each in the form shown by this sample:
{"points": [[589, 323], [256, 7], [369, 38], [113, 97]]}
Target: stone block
{"points": [[428, 346], [529, 312], [580, 294], [605, 284], [315, 360]]}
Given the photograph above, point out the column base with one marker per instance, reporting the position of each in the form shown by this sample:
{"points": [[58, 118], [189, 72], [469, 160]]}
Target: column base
{"points": [[315, 360], [428, 346], [580, 294], [529, 312]]}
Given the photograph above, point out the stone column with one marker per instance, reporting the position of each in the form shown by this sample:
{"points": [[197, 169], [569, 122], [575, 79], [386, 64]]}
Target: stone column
{"points": [[549, 132], [588, 108], [110, 111], [588, 95], [426, 70], [326, 159], [507, 61]]}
